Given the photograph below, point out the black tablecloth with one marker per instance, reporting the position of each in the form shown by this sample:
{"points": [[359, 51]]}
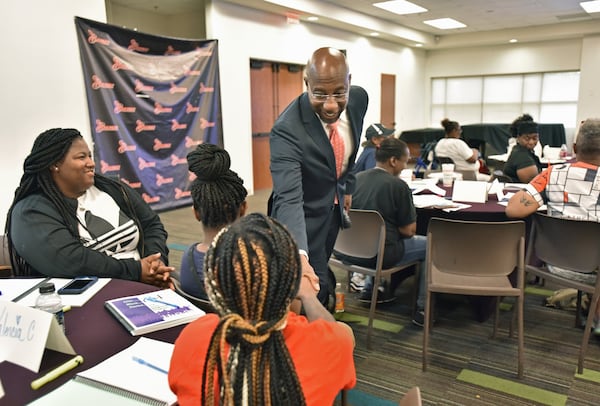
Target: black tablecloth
{"points": [[94, 333], [496, 135]]}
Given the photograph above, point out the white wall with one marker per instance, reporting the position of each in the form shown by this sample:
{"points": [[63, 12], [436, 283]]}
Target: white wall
{"points": [[267, 36], [549, 56], [42, 83]]}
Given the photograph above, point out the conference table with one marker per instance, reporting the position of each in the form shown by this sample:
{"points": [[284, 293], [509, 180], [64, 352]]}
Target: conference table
{"points": [[93, 332], [480, 135]]}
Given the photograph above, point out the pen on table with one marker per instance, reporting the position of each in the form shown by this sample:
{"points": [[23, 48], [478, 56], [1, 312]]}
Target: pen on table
{"points": [[56, 372], [66, 308], [146, 363]]}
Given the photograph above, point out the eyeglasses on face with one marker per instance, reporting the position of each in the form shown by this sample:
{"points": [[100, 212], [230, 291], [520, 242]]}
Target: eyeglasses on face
{"points": [[322, 97]]}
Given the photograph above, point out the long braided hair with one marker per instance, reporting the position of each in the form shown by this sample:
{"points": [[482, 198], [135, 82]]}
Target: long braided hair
{"points": [[252, 274], [217, 191], [49, 148]]}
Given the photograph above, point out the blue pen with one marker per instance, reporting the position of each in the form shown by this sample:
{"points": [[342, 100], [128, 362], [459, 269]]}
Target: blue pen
{"points": [[146, 363]]}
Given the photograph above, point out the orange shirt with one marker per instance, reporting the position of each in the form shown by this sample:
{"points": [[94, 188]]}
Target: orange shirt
{"points": [[321, 352]]}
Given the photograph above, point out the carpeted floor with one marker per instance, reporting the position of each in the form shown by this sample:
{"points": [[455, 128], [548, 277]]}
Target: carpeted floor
{"points": [[466, 366]]}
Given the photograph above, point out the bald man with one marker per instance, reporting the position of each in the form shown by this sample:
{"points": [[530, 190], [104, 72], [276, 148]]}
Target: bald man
{"points": [[309, 191]]}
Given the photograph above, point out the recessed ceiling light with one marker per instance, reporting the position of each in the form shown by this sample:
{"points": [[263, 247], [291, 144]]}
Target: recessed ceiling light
{"points": [[374, 34], [512, 41], [313, 18], [418, 45], [445, 23], [400, 7], [591, 6]]}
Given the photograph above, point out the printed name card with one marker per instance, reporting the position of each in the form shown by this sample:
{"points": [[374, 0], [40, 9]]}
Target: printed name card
{"points": [[25, 332], [470, 191]]}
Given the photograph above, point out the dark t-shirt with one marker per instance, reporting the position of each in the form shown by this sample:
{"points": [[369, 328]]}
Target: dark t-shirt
{"points": [[378, 190], [520, 157]]}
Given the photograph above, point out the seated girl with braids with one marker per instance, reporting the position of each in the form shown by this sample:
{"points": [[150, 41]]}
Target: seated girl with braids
{"points": [[255, 351], [67, 221], [219, 198]]}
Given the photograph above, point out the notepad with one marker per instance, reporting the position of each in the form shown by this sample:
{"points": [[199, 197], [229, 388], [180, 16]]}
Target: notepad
{"points": [[120, 380], [148, 312]]}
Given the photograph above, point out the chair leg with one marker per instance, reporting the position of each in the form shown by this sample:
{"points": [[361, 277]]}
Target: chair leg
{"points": [[496, 317], [426, 327], [587, 331], [521, 339], [416, 288], [344, 397], [376, 281], [578, 310]]}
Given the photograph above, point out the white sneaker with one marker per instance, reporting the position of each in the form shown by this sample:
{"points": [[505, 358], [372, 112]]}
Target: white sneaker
{"points": [[357, 281]]}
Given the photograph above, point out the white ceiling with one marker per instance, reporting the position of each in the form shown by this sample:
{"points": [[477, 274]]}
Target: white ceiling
{"points": [[488, 21]]}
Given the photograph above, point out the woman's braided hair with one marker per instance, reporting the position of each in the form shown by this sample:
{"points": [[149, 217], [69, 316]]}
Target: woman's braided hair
{"points": [[252, 274], [49, 148], [217, 191]]}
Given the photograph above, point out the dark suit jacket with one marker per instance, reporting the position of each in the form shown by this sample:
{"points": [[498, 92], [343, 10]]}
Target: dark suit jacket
{"points": [[303, 166]]}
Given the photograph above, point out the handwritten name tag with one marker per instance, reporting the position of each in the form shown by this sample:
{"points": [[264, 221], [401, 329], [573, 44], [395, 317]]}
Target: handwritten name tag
{"points": [[25, 333]]}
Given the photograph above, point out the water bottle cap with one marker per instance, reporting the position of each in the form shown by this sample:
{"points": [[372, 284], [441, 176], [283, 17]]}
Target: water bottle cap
{"points": [[47, 288]]}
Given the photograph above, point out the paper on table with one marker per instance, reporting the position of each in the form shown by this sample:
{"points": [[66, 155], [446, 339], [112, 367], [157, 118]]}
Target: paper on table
{"points": [[13, 287], [456, 206], [68, 300], [31, 331], [119, 369], [421, 201]]}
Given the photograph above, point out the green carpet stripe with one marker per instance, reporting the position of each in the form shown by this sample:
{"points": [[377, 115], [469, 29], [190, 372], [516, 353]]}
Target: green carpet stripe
{"points": [[177, 247], [364, 321], [589, 375], [538, 291], [513, 388]]}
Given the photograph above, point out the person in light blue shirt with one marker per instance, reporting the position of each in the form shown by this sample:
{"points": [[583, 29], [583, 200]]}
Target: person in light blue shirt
{"points": [[374, 134]]}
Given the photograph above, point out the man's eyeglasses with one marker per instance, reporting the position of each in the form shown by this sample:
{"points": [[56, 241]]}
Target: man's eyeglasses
{"points": [[322, 97]]}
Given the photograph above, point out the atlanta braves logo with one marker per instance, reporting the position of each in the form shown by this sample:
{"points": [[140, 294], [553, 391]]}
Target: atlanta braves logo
{"points": [[171, 51], [176, 126], [135, 185], [97, 83], [95, 39], [204, 123], [135, 46], [175, 160], [143, 164], [101, 126], [189, 108], [179, 194], [141, 87], [159, 108], [177, 89], [160, 180], [123, 147], [120, 108], [148, 199], [158, 145], [119, 64], [141, 126], [189, 142], [105, 167], [205, 89]]}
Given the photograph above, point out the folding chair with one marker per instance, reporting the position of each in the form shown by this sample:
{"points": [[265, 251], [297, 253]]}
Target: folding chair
{"points": [[461, 260], [571, 245], [199, 302], [366, 240]]}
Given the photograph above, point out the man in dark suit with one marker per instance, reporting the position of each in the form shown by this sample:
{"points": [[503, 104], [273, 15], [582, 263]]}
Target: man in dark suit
{"points": [[310, 192]]}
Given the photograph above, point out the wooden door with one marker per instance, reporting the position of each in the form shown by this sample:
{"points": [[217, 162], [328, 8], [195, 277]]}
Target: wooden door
{"points": [[388, 100]]}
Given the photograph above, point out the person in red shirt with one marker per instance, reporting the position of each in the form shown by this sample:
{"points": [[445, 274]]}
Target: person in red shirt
{"points": [[255, 350]]}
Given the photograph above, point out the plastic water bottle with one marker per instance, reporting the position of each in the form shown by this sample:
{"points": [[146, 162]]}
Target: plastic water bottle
{"points": [[339, 298], [50, 301], [564, 151]]}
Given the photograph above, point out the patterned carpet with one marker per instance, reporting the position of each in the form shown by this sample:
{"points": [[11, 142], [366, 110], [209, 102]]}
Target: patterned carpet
{"points": [[466, 366]]}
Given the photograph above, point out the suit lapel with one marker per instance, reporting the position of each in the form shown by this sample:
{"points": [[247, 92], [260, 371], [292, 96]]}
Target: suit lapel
{"points": [[315, 130]]}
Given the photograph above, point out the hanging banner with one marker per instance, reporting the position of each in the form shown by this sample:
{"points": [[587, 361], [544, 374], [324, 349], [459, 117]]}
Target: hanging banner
{"points": [[151, 100]]}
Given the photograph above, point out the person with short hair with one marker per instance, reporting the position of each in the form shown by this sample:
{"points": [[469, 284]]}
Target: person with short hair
{"points": [[313, 146], [569, 190], [254, 350], [219, 198], [66, 220], [382, 190], [523, 164]]}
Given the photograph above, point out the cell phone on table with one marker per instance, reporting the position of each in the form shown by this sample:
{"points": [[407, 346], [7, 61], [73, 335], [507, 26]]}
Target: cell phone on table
{"points": [[78, 285]]}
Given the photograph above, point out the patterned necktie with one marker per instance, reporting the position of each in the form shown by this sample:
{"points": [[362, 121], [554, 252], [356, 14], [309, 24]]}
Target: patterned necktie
{"points": [[337, 143]]}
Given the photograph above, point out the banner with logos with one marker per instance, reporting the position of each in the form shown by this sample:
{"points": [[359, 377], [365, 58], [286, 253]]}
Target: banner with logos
{"points": [[151, 100]]}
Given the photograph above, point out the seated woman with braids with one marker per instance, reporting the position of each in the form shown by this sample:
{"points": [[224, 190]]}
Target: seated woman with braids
{"points": [[255, 351], [219, 198], [66, 221]]}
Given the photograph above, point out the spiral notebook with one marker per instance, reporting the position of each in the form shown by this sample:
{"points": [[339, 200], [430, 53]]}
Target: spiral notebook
{"points": [[135, 376], [141, 314]]}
